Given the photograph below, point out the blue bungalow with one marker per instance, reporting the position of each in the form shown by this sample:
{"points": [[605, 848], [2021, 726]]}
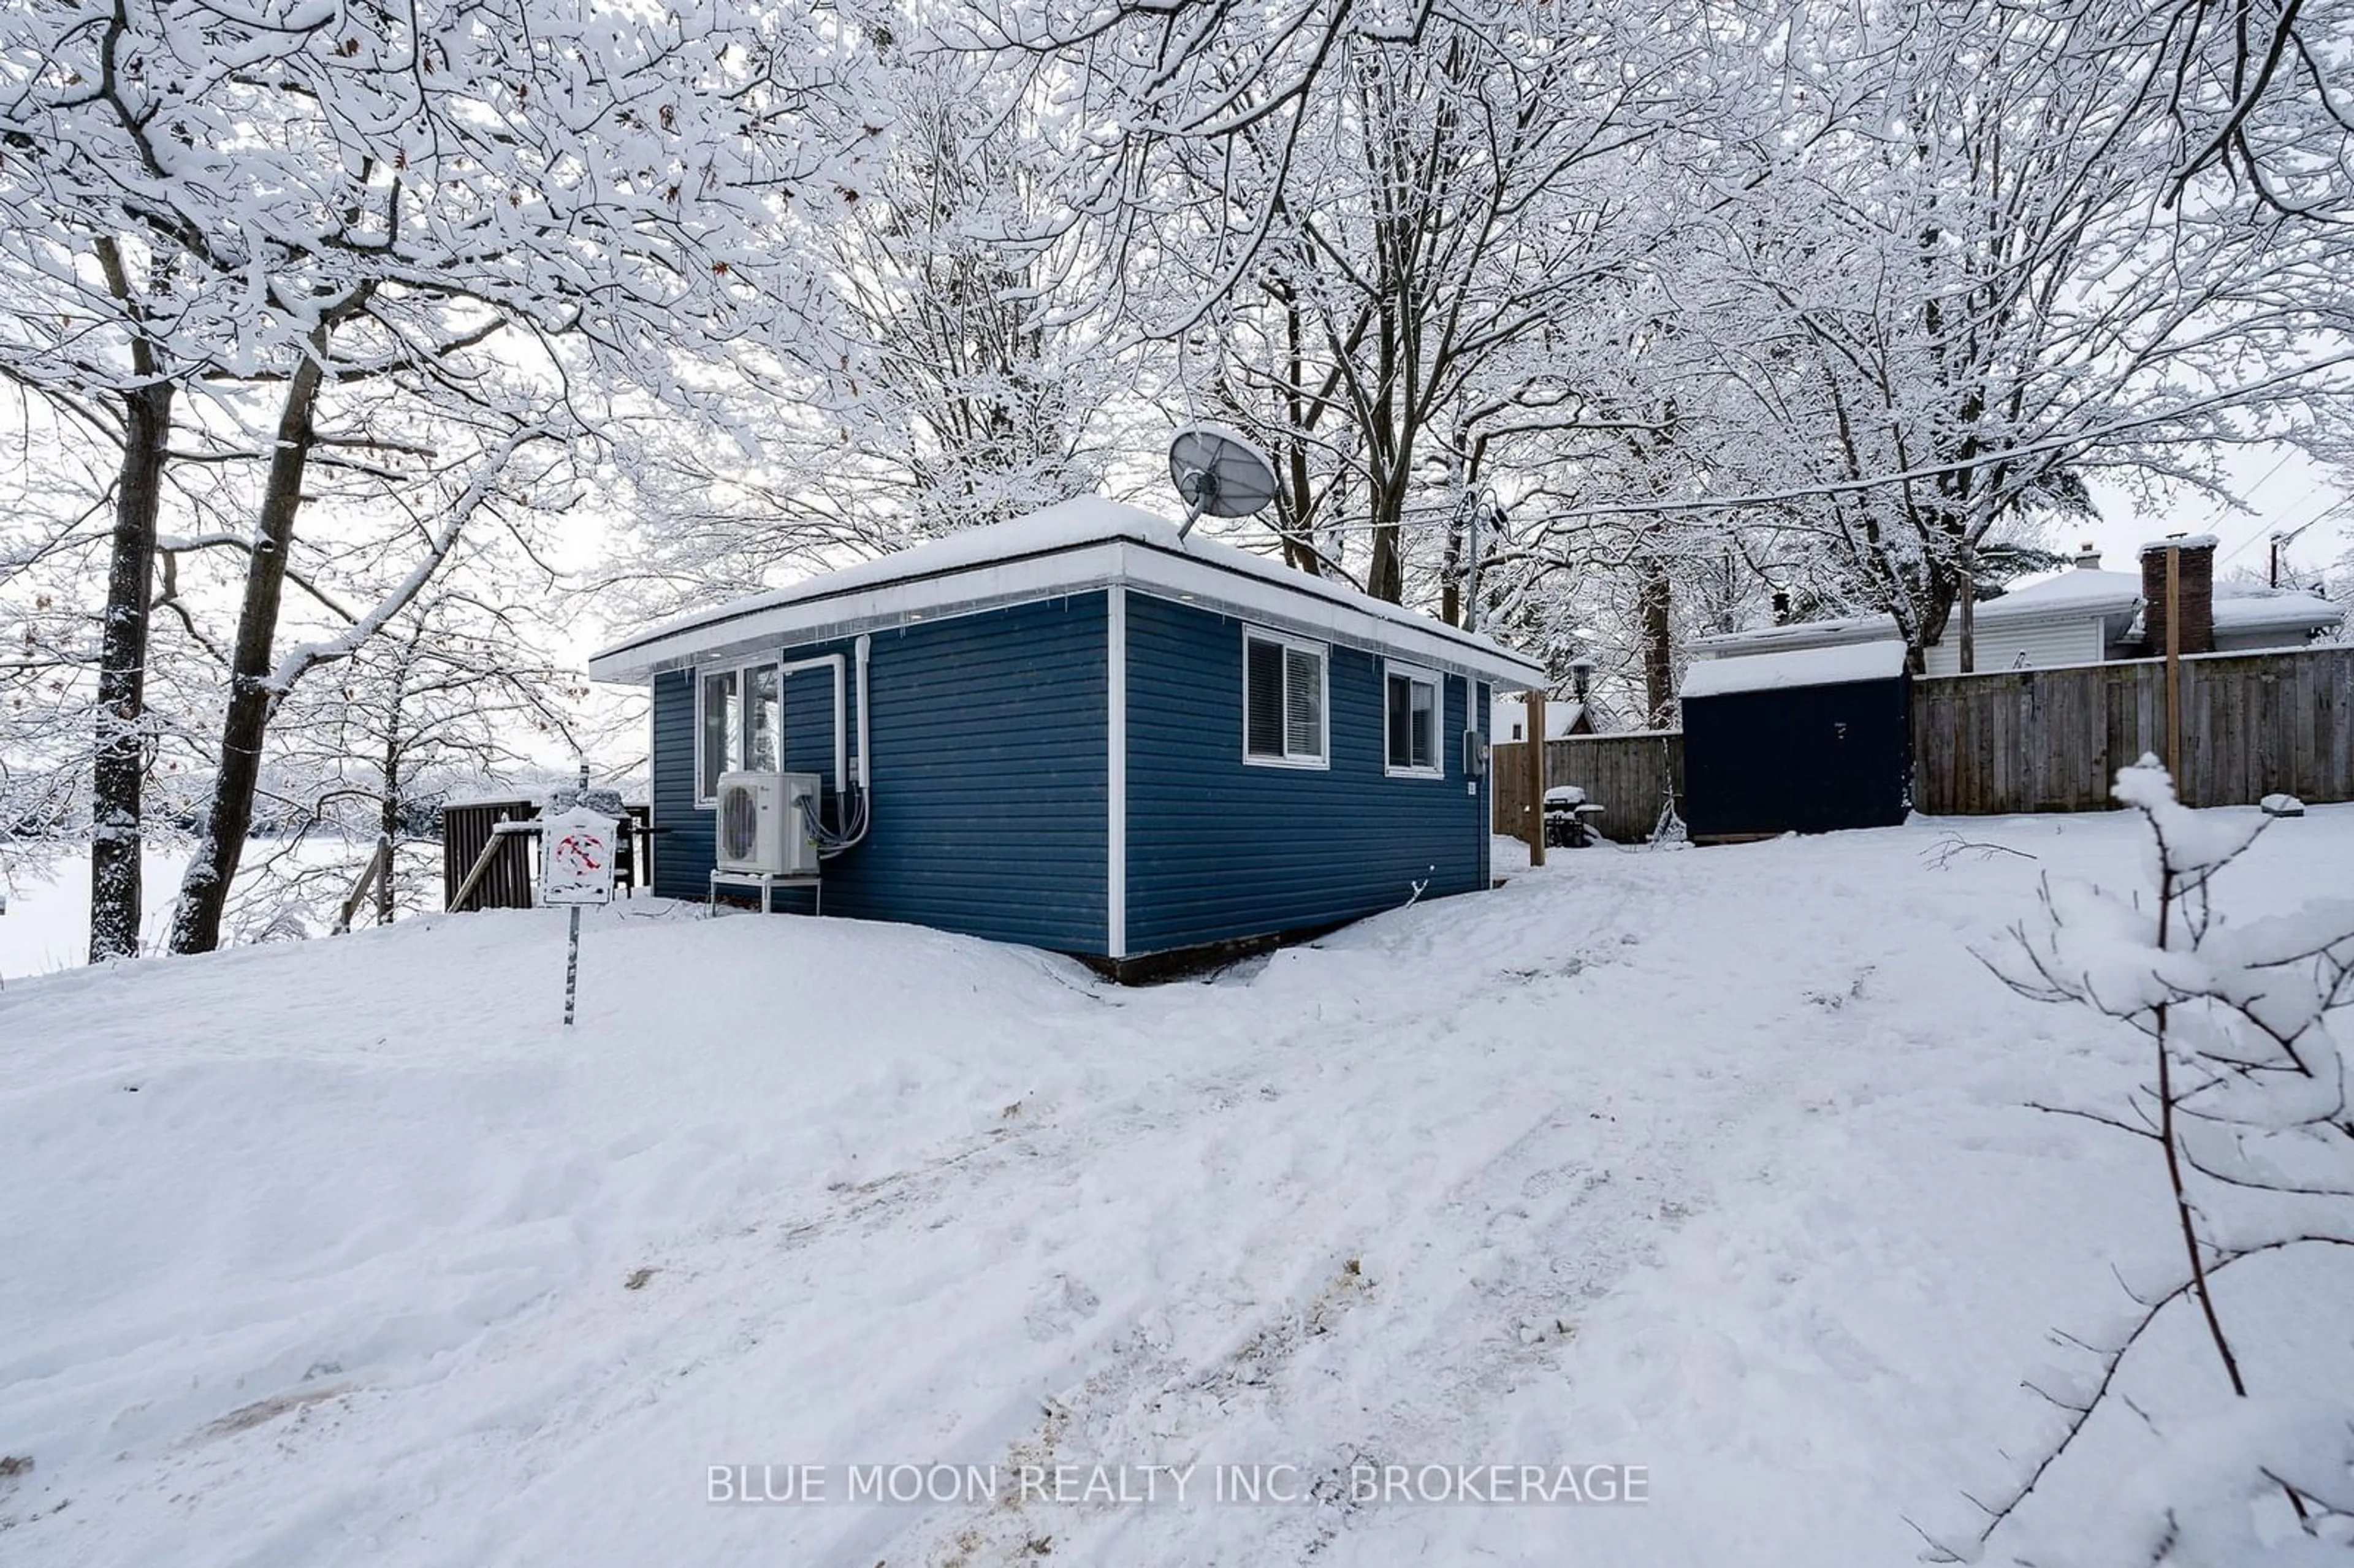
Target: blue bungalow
{"points": [[1080, 731]]}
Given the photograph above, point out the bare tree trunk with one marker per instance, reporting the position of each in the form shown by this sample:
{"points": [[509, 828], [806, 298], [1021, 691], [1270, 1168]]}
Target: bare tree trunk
{"points": [[204, 891], [1653, 599], [389, 847], [1385, 578], [1450, 572], [119, 767], [391, 809]]}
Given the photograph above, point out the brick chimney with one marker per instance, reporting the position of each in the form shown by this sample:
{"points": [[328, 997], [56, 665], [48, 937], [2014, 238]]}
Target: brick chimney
{"points": [[2197, 586]]}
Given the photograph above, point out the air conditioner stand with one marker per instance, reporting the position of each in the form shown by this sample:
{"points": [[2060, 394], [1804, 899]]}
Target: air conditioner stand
{"points": [[764, 881]]}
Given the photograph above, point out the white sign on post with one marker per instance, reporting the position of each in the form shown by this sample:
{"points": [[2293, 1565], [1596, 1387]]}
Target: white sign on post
{"points": [[575, 868], [576, 858]]}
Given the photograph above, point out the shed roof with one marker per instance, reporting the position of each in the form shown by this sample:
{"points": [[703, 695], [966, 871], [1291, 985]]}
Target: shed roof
{"points": [[1833, 666], [1066, 548]]}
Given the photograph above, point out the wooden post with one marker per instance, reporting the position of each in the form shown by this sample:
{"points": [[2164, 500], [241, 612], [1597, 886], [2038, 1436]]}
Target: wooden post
{"points": [[1967, 653], [2174, 668], [1536, 775], [379, 864]]}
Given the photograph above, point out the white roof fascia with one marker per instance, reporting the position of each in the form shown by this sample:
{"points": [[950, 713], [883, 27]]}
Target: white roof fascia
{"points": [[1053, 574], [1250, 597], [966, 591]]}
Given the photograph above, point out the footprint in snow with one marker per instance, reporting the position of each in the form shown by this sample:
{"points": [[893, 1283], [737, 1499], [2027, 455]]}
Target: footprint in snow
{"points": [[1061, 1307]]}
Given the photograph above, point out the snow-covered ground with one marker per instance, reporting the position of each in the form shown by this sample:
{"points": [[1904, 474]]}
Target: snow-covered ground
{"points": [[1713, 1164]]}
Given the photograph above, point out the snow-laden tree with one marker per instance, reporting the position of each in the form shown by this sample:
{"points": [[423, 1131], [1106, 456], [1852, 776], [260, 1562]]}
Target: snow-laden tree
{"points": [[1367, 266], [453, 698], [2255, 92], [471, 203], [950, 360], [1971, 291]]}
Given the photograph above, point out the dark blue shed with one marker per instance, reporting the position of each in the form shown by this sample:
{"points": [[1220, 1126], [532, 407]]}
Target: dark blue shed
{"points": [[1078, 731], [1806, 741]]}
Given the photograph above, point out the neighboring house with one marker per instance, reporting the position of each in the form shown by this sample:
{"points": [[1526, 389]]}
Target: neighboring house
{"points": [[1508, 719], [1080, 731], [2085, 616]]}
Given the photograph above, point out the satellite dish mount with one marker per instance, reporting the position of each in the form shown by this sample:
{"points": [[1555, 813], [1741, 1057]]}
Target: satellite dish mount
{"points": [[1218, 473]]}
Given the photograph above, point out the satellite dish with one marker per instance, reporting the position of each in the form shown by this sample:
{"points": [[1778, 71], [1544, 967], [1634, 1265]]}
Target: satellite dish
{"points": [[1218, 473]]}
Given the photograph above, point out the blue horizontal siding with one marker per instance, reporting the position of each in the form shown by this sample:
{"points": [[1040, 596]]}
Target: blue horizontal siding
{"points": [[682, 840], [1218, 849], [991, 775]]}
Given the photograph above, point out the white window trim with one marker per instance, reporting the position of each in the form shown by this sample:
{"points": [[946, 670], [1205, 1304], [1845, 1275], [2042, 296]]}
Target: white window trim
{"points": [[737, 667], [1438, 684], [1323, 652]]}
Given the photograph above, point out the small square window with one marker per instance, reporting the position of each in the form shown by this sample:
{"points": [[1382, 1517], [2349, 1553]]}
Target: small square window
{"points": [[1410, 708], [1283, 701]]}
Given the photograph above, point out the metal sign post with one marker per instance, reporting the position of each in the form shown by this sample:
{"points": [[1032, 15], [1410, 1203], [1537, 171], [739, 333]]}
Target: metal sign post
{"points": [[575, 867]]}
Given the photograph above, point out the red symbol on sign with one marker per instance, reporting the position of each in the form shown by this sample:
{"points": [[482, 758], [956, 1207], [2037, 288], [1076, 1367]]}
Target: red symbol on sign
{"points": [[577, 853]]}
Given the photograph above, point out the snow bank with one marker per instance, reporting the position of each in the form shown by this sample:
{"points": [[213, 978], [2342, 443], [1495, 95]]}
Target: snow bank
{"points": [[345, 1251]]}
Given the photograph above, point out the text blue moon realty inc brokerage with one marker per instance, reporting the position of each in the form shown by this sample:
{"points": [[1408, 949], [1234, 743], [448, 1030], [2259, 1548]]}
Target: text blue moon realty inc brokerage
{"points": [[1364, 1482]]}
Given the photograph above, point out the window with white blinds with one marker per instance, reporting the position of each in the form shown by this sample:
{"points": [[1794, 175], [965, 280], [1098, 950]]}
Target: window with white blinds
{"points": [[1283, 701]]}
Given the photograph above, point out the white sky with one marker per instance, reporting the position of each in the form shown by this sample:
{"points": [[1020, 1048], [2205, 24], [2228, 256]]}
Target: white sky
{"points": [[2285, 490]]}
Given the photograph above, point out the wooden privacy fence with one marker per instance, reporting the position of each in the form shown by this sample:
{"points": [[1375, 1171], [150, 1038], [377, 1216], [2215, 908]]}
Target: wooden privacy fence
{"points": [[2052, 740], [1626, 775]]}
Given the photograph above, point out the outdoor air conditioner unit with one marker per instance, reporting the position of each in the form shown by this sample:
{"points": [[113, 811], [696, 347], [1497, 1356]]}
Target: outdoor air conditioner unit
{"points": [[761, 828]]}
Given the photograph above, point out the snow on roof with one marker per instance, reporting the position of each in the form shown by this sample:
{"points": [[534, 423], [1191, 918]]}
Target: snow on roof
{"points": [[1506, 715], [1799, 667], [2078, 590], [889, 585], [1846, 628], [1087, 520], [2181, 542], [2250, 607]]}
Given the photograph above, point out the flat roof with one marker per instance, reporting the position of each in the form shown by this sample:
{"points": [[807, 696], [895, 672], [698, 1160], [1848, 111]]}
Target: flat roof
{"points": [[1833, 666], [2242, 608], [1072, 548]]}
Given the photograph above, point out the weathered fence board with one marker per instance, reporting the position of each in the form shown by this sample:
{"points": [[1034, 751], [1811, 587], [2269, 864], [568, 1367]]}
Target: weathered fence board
{"points": [[465, 829], [2052, 740], [1626, 775]]}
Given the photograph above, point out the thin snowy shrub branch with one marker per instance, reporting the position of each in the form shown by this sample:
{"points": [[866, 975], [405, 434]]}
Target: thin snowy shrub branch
{"points": [[2247, 1096]]}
